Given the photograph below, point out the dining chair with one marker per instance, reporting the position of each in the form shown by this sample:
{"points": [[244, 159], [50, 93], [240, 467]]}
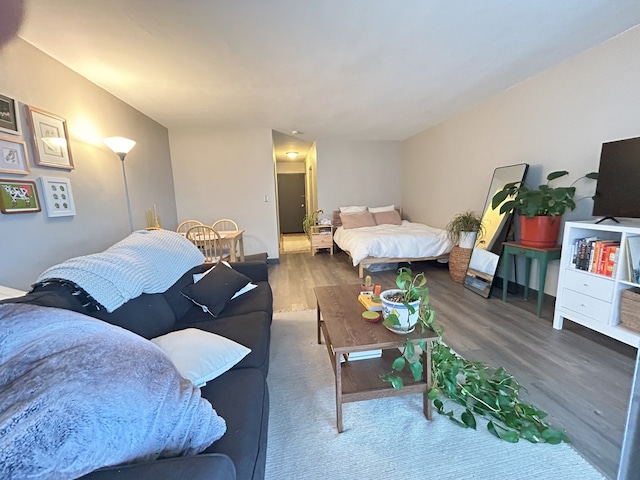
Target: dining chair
{"points": [[225, 225], [208, 242], [186, 225]]}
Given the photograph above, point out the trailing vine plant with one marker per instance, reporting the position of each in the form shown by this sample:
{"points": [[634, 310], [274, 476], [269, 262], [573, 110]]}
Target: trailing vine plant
{"points": [[490, 393]]}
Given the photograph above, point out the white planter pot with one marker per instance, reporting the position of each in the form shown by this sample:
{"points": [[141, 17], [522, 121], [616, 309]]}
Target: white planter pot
{"points": [[467, 239], [407, 320]]}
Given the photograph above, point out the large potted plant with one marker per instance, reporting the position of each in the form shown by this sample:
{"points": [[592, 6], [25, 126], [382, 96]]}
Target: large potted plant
{"points": [[478, 388], [540, 209], [463, 229]]}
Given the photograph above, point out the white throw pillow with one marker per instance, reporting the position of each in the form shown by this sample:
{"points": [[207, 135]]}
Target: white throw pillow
{"points": [[388, 208], [247, 288], [353, 209], [200, 356]]}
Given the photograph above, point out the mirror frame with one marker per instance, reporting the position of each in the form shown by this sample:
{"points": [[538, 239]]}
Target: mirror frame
{"points": [[479, 281]]}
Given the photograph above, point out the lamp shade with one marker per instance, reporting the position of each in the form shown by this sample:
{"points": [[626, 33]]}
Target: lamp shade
{"points": [[119, 145], [292, 155]]}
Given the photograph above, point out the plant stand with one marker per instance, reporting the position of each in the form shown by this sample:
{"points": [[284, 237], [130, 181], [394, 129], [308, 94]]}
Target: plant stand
{"points": [[459, 262]]}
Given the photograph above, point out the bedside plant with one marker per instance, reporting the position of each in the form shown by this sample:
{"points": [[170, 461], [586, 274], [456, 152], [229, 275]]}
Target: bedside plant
{"points": [[482, 390], [309, 220]]}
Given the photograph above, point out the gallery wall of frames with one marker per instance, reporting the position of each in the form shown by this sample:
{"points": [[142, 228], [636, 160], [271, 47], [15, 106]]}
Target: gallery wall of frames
{"points": [[49, 138]]}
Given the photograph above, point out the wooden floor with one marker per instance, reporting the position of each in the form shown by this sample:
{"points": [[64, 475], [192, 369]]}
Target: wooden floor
{"points": [[580, 378]]}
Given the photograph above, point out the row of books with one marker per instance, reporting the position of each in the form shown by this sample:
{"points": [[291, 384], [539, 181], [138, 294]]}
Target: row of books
{"points": [[595, 255]]}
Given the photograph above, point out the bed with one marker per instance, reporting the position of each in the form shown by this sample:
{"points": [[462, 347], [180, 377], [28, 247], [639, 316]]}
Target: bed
{"points": [[389, 243]]}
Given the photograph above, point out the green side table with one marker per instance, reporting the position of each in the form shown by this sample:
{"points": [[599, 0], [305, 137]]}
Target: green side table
{"points": [[542, 255]]}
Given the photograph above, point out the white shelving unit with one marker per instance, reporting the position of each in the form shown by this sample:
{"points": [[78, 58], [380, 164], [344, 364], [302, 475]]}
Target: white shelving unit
{"points": [[590, 299]]}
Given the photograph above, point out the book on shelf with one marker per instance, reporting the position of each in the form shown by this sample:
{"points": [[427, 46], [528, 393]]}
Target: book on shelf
{"points": [[368, 303], [633, 259], [361, 355], [595, 255]]}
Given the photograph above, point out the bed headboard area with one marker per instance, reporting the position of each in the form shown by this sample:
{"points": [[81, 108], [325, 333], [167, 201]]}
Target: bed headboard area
{"points": [[337, 222]]}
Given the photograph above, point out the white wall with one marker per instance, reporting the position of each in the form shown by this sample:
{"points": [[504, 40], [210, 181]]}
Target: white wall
{"points": [[358, 173], [290, 167], [32, 242], [556, 120], [227, 174]]}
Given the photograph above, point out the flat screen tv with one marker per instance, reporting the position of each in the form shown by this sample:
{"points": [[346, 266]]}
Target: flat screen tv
{"points": [[618, 187]]}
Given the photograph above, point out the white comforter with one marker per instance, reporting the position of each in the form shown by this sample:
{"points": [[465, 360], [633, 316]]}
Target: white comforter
{"points": [[409, 240]]}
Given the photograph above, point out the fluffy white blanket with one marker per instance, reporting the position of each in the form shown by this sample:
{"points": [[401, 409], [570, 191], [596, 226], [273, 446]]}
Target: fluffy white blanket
{"points": [[409, 240], [144, 262], [77, 394]]}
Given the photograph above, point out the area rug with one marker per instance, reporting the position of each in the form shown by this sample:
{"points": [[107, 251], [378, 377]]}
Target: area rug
{"points": [[292, 243], [384, 438]]}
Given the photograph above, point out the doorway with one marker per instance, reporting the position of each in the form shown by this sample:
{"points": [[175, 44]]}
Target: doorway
{"points": [[291, 201]]}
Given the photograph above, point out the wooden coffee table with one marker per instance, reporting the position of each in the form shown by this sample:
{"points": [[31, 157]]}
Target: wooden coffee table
{"points": [[345, 331]]}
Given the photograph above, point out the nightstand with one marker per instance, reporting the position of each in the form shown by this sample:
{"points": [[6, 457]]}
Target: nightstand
{"points": [[321, 237]]}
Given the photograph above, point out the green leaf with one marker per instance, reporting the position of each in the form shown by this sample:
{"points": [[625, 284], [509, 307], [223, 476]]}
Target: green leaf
{"points": [[398, 364], [492, 428], [557, 174], [416, 370], [396, 382], [409, 349], [510, 436], [469, 419], [553, 436], [592, 175], [433, 394]]}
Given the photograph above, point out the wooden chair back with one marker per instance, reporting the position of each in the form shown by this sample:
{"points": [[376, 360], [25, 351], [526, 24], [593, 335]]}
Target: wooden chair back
{"points": [[208, 242], [225, 225], [186, 225]]}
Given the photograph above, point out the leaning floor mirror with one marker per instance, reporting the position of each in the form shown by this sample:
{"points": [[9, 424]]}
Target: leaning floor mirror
{"points": [[485, 256]]}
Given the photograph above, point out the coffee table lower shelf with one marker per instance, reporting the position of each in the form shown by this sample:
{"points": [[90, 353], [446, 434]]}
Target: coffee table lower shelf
{"points": [[358, 380]]}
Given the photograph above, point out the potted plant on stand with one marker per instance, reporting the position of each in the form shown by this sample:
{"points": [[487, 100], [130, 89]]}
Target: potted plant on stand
{"points": [[540, 209], [463, 229], [309, 221], [477, 388]]}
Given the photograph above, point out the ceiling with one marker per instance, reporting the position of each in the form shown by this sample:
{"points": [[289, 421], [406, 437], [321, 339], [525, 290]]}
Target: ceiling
{"points": [[341, 69]]}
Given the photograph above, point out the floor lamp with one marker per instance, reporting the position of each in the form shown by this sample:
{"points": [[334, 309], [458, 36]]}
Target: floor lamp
{"points": [[121, 146]]}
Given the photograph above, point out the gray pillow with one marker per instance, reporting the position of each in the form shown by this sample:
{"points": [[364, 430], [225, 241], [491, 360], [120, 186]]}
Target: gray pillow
{"points": [[77, 394]]}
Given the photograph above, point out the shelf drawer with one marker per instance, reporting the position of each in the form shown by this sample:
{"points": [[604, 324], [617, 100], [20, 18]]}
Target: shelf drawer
{"points": [[586, 305], [593, 285], [321, 241]]}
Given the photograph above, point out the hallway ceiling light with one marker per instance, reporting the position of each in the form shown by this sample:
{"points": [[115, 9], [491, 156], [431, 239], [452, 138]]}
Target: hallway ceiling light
{"points": [[292, 155]]}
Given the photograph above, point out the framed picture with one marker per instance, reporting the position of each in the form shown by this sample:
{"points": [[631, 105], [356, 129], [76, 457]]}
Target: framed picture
{"points": [[9, 118], [18, 196], [57, 195], [50, 139], [13, 156]]}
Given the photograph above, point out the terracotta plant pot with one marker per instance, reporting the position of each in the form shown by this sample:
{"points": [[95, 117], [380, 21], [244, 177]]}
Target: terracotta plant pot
{"points": [[540, 232]]}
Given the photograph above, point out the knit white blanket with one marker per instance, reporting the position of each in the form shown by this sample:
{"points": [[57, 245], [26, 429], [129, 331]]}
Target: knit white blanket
{"points": [[144, 262]]}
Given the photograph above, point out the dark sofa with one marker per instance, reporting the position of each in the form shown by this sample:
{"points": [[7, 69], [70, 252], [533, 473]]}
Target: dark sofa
{"points": [[240, 395]]}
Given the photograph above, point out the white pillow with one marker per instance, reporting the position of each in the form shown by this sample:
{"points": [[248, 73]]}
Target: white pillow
{"points": [[200, 356], [388, 208], [247, 288], [352, 209]]}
